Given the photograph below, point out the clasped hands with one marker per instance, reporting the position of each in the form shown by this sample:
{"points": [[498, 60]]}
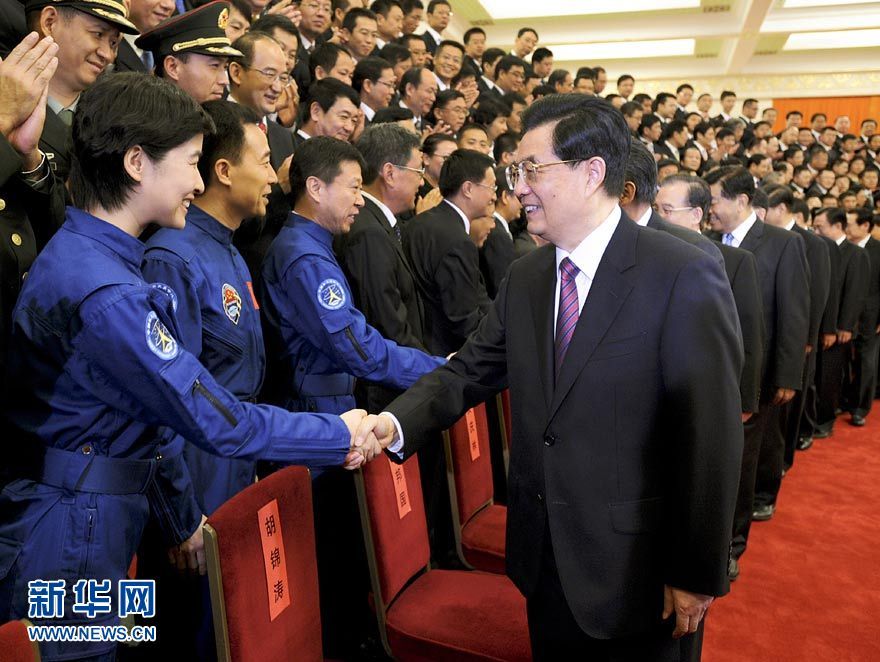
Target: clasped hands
{"points": [[370, 435]]}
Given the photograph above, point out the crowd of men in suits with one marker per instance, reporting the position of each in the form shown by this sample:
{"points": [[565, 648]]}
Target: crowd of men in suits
{"points": [[791, 217]]}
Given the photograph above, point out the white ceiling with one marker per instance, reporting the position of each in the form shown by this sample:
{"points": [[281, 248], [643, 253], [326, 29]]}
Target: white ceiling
{"points": [[717, 38]]}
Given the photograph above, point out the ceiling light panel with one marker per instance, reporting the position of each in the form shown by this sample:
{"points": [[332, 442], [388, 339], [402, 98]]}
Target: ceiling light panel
{"points": [[622, 50], [501, 9], [805, 41]]}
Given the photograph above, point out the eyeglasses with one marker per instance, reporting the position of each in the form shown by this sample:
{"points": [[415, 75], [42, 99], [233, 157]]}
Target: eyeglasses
{"points": [[387, 83], [528, 171], [421, 171], [270, 76], [491, 188], [666, 209], [327, 8]]}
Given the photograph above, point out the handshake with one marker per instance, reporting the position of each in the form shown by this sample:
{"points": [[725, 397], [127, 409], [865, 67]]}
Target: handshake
{"points": [[370, 435]]}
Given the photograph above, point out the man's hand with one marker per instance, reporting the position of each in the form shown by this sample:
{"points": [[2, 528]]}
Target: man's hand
{"points": [[381, 428], [288, 104], [746, 415], [24, 88], [431, 200], [689, 609], [844, 337], [828, 340], [808, 349], [283, 175], [190, 554], [783, 395], [288, 9]]}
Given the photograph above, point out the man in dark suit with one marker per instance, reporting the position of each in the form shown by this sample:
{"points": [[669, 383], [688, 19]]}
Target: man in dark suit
{"points": [[81, 58], [783, 275], [445, 261], [371, 253], [627, 437], [146, 15], [438, 14], [496, 253], [853, 272], [780, 200], [866, 343]]}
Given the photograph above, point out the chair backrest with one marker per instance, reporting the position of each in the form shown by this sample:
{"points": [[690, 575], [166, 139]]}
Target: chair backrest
{"points": [[394, 525], [469, 462], [263, 575], [15, 646]]}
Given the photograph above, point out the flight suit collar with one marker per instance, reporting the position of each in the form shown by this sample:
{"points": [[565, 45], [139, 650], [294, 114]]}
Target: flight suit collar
{"points": [[209, 225], [311, 228], [130, 249]]}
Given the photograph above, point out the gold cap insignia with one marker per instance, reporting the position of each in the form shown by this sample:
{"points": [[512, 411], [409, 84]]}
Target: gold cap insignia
{"points": [[223, 19]]}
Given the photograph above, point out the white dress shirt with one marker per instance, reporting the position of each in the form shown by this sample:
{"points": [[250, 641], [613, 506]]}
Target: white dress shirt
{"points": [[743, 229], [436, 36], [643, 221], [464, 218], [863, 242], [369, 113], [504, 224], [839, 241], [790, 225]]}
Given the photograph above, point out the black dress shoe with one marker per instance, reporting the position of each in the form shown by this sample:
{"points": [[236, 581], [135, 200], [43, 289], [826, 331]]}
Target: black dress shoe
{"points": [[858, 420], [763, 513], [804, 443], [732, 569], [823, 433]]}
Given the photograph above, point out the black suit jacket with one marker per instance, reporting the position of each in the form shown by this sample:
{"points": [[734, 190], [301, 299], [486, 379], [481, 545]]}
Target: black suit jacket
{"points": [[742, 274], [871, 313], [828, 325], [127, 59], [446, 265], [631, 458], [383, 288], [784, 277], [855, 270], [56, 141], [657, 222], [430, 44], [663, 149], [819, 261], [13, 27], [495, 258]]}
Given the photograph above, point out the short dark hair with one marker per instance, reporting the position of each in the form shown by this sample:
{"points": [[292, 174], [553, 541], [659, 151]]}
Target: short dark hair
{"points": [[733, 180], [826, 129], [325, 93], [491, 56], [117, 113], [227, 141], [799, 169], [433, 5], [320, 157], [507, 63], [246, 43], [412, 76], [641, 170], [864, 215], [684, 86], [557, 76], [629, 108], [351, 17], [522, 31], [463, 165], [792, 113], [836, 216], [759, 200], [325, 56], [780, 195], [542, 91], [391, 114], [410, 5], [816, 116], [661, 98], [385, 143], [756, 159], [445, 97], [722, 133], [394, 53], [701, 129], [471, 32], [489, 110], [620, 79], [647, 122], [269, 22], [698, 194], [243, 8], [384, 6], [404, 40], [584, 127], [641, 97], [586, 72], [542, 53], [675, 126], [429, 146], [749, 101], [370, 68], [506, 142], [728, 93], [800, 207]]}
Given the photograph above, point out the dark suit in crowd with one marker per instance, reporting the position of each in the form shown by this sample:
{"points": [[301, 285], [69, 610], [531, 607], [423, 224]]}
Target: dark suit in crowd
{"points": [[127, 59], [495, 257], [866, 344], [635, 446], [56, 142], [446, 264]]}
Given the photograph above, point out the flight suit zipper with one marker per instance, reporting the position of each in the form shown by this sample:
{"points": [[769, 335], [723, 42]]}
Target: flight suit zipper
{"points": [[354, 342], [198, 387]]}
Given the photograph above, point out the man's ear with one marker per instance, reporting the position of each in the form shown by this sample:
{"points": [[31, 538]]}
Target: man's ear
{"points": [[629, 193]]}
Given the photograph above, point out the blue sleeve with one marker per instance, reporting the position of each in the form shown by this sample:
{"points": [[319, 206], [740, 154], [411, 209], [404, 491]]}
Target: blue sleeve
{"points": [[171, 494], [125, 355], [322, 310], [166, 268]]}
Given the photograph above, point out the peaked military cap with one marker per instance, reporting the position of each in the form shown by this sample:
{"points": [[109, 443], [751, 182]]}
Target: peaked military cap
{"points": [[200, 30], [114, 12]]}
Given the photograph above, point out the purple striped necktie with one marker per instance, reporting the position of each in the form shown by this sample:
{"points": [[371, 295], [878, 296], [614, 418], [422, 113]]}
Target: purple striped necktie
{"points": [[569, 310]]}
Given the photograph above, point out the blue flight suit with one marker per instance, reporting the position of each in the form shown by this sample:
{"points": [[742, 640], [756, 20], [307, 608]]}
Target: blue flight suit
{"points": [[95, 368], [323, 341]]}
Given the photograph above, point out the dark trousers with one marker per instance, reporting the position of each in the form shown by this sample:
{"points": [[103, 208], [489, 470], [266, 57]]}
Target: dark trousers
{"points": [[771, 458], [753, 430], [829, 382], [795, 412], [555, 634], [860, 391]]}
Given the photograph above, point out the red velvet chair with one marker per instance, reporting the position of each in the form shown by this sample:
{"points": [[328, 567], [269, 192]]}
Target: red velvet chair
{"points": [[15, 645], [236, 545], [478, 523], [424, 614]]}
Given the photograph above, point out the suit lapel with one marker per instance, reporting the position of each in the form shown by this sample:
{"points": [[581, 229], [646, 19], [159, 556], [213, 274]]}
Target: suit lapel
{"points": [[608, 293], [542, 293], [379, 218], [753, 237]]}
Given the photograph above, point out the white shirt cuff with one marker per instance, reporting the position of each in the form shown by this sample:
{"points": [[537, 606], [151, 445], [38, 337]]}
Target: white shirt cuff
{"points": [[397, 446]]}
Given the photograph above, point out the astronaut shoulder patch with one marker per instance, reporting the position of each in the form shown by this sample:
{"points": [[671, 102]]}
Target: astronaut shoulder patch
{"points": [[159, 339], [331, 294], [162, 287], [231, 303]]}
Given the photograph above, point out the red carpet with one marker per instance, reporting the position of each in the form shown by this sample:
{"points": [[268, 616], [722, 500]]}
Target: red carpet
{"points": [[809, 588]]}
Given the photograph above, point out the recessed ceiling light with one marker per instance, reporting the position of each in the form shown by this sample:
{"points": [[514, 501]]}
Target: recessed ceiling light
{"points": [[792, 4], [807, 41], [500, 9], [622, 50]]}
